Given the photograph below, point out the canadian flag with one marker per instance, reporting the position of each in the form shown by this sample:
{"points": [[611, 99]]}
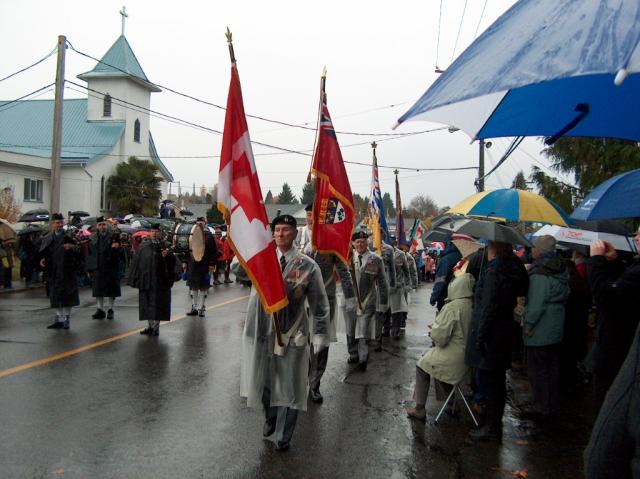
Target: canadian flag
{"points": [[240, 202]]}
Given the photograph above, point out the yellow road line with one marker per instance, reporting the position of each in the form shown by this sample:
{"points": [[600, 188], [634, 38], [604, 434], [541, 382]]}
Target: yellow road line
{"points": [[87, 347]]}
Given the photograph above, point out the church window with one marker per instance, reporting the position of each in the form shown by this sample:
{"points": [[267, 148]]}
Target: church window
{"points": [[106, 105], [33, 190], [136, 131], [102, 193]]}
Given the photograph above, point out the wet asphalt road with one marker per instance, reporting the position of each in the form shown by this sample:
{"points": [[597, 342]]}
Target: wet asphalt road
{"points": [[169, 406]]}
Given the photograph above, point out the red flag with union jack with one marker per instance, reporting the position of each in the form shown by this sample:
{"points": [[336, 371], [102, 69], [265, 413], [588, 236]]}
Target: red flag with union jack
{"points": [[333, 211], [240, 201]]}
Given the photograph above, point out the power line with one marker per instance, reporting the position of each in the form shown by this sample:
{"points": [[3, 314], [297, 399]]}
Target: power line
{"points": [[455, 46], [439, 30], [257, 117], [480, 19], [29, 67], [5, 104]]}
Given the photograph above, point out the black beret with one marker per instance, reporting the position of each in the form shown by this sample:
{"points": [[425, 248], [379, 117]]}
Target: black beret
{"points": [[201, 218], [68, 240], [284, 220], [57, 216], [156, 226], [309, 207], [359, 235], [100, 219]]}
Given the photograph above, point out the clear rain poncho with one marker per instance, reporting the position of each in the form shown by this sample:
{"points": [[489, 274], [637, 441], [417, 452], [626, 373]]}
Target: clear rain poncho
{"points": [[286, 375], [373, 290], [397, 297]]}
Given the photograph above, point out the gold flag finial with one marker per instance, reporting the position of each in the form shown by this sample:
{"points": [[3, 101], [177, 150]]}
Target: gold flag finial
{"points": [[230, 42]]}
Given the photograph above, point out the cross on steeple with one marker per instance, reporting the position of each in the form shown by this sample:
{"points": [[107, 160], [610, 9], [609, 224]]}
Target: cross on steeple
{"points": [[124, 14]]}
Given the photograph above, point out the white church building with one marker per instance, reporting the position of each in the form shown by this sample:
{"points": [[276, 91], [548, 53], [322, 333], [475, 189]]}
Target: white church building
{"points": [[98, 132]]}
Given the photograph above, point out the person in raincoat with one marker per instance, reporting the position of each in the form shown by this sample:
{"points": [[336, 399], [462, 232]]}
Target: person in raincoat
{"points": [[445, 360], [61, 259], [397, 295], [153, 273], [199, 272], [370, 286], [278, 376], [330, 266], [413, 282], [543, 323], [443, 274], [103, 265], [383, 316]]}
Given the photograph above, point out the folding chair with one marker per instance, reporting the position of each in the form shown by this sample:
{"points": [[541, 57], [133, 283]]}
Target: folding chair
{"points": [[452, 395]]}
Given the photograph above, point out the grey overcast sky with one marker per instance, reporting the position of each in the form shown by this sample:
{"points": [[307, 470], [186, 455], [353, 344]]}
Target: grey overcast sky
{"points": [[378, 53]]}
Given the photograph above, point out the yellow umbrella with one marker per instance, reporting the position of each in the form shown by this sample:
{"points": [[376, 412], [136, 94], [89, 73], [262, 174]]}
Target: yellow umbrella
{"points": [[512, 205]]}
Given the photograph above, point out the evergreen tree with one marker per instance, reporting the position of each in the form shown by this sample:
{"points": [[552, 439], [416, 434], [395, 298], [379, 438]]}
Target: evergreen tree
{"points": [[520, 182], [566, 196], [387, 203], [593, 160], [214, 215], [269, 198], [135, 187], [286, 197], [308, 194]]}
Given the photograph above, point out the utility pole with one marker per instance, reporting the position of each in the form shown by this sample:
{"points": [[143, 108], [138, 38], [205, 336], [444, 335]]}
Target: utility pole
{"points": [[56, 144], [480, 182]]}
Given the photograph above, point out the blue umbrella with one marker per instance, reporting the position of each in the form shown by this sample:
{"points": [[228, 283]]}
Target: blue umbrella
{"points": [[615, 198], [545, 68]]}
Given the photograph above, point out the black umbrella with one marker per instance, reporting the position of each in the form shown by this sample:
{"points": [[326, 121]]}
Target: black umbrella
{"points": [[436, 232], [81, 214], [30, 229], [489, 230], [34, 215]]}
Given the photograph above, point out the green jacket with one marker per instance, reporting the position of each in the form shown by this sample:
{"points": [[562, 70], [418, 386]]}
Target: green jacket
{"points": [[544, 310], [445, 361]]}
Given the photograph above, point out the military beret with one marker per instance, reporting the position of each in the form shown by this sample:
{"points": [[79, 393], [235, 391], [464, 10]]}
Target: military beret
{"points": [[359, 235], [309, 207], [155, 226], [284, 220], [68, 240], [201, 218], [100, 219], [57, 216]]}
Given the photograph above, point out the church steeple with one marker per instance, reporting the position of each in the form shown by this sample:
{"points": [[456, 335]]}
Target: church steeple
{"points": [[120, 61]]}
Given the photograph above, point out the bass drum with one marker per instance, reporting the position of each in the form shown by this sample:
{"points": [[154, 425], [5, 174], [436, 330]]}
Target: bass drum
{"points": [[188, 239]]}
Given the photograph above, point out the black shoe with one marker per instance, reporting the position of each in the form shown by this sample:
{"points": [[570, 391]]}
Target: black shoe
{"points": [[282, 446], [201, 313], [315, 396], [193, 312], [378, 347], [362, 366], [155, 331], [147, 331], [228, 281], [99, 314], [269, 427], [65, 324], [56, 325], [216, 282], [352, 359], [110, 314]]}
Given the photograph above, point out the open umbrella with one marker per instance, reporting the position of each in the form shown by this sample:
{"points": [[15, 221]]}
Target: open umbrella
{"points": [[30, 228], [615, 198], [6, 231], [489, 230], [512, 205], [81, 214], [545, 68], [32, 216], [581, 239]]}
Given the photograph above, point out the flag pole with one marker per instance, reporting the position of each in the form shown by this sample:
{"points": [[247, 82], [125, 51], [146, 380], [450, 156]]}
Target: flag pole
{"points": [[276, 315], [323, 99]]}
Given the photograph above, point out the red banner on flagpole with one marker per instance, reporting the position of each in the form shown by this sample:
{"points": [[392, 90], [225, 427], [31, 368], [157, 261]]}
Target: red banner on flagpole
{"points": [[240, 201], [333, 211]]}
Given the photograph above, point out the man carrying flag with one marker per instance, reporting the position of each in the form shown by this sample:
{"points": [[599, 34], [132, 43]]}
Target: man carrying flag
{"points": [[275, 353], [331, 221]]}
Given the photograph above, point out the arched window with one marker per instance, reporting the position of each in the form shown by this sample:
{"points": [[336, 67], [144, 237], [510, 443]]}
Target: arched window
{"points": [[103, 193], [136, 131], [106, 105]]}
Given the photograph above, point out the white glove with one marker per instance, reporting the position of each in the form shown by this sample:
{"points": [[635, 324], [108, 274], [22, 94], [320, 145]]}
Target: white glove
{"points": [[320, 342]]}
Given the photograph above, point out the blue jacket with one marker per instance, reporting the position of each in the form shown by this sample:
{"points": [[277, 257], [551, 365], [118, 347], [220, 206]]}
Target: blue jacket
{"points": [[449, 258]]}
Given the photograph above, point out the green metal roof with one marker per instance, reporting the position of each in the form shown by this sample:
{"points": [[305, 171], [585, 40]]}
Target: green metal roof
{"points": [[120, 61], [26, 127]]}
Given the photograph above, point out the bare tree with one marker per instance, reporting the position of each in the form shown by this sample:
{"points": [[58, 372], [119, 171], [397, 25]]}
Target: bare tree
{"points": [[421, 207]]}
